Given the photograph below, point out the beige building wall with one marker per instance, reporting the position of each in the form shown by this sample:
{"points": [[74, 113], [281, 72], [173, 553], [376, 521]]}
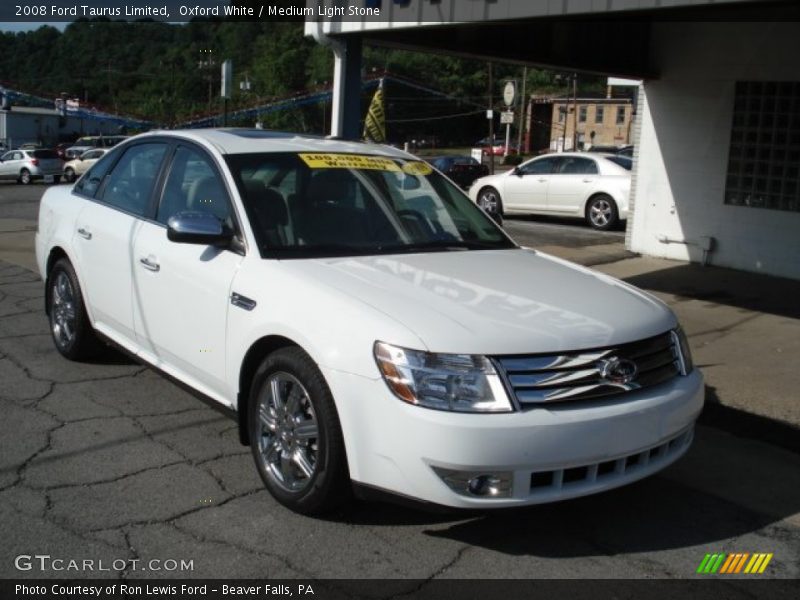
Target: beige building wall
{"points": [[609, 121]]}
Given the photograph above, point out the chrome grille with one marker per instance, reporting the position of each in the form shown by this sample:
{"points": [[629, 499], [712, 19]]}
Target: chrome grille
{"points": [[586, 374]]}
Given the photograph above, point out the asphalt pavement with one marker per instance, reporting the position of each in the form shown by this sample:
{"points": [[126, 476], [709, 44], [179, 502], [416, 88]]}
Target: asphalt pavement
{"points": [[108, 461]]}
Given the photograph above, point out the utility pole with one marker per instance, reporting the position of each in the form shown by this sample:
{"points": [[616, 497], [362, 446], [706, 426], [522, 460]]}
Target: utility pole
{"points": [[490, 116], [522, 103], [575, 111]]}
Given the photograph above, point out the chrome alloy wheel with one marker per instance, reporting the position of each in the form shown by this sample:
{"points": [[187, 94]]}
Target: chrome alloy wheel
{"points": [[601, 213], [62, 310], [288, 433], [489, 202]]}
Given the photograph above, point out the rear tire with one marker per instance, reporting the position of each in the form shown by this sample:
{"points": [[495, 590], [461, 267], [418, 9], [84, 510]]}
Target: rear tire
{"points": [[69, 174], [602, 213], [295, 436], [492, 204], [70, 328], [25, 177]]}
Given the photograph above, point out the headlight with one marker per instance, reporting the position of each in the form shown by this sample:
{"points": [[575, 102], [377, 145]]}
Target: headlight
{"points": [[454, 382], [687, 365]]}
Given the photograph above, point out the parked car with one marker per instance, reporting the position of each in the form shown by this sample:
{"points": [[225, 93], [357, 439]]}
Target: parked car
{"points": [[498, 147], [26, 166], [578, 184], [367, 326], [461, 169], [85, 143], [29, 146], [78, 166], [624, 150]]}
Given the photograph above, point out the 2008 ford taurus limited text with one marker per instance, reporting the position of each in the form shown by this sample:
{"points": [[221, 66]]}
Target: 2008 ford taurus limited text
{"points": [[368, 326]]}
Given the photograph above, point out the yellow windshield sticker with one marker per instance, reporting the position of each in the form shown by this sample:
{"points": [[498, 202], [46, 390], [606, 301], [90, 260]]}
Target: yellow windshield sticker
{"points": [[417, 167], [348, 161]]}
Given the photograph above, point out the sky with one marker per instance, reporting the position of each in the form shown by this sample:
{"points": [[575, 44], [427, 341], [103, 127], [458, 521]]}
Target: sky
{"points": [[25, 26]]}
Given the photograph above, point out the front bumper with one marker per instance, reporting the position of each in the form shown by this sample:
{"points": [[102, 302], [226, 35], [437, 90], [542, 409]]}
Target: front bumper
{"points": [[584, 447]]}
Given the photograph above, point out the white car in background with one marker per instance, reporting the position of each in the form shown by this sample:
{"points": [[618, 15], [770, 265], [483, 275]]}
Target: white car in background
{"points": [[368, 326], [27, 166], [78, 166], [568, 184]]}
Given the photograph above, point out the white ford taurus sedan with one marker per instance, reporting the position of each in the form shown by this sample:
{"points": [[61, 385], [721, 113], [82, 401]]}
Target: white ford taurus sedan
{"points": [[368, 326], [569, 184]]}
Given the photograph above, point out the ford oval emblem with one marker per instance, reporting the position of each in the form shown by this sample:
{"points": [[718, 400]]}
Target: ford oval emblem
{"points": [[617, 370]]}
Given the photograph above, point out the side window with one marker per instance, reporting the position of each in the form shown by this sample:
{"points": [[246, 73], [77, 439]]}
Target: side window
{"points": [[193, 184], [543, 166], [90, 182], [8, 156], [18, 156], [130, 183], [578, 166]]}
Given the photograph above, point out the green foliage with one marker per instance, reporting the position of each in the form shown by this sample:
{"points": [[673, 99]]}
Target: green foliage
{"points": [[170, 74]]}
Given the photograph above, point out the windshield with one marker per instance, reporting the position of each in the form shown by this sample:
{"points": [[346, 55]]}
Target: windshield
{"points": [[304, 205]]}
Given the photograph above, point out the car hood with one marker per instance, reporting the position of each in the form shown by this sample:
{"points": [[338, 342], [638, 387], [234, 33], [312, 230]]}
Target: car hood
{"points": [[495, 301]]}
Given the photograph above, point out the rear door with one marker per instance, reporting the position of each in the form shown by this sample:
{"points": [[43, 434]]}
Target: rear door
{"points": [[122, 191], [182, 291], [526, 188], [571, 184]]}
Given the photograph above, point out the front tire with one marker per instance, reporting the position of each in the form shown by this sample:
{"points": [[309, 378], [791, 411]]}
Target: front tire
{"points": [[602, 213], [70, 328], [295, 435], [490, 201], [25, 177]]}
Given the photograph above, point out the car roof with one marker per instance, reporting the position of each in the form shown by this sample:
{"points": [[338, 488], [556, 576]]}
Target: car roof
{"points": [[245, 141]]}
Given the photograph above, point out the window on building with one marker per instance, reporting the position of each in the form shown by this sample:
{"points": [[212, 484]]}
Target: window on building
{"points": [[764, 156], [582, 114], [620, 115], [562, 111], [598, 115]]}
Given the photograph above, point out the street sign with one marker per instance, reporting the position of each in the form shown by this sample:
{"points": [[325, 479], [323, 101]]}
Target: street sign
{"points": [[227, 79], [510, 93], [507, 117]]}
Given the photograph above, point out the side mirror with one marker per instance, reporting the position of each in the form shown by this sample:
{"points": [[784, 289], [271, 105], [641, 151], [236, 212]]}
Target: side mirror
{"points": [[518, 172], [198, 228]]}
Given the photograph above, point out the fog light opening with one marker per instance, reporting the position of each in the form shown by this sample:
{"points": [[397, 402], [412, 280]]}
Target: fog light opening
{"points": [[483, 485], [477, 484]]}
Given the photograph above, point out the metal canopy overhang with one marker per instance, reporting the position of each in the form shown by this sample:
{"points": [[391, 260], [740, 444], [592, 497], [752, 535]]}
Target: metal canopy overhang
{"points": [[604, 43], [608, 48]]}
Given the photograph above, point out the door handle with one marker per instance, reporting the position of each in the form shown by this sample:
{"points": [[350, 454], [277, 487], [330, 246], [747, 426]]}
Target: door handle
{"points": [[588, 180], [150, 265], [542, 180], [84, 233]]}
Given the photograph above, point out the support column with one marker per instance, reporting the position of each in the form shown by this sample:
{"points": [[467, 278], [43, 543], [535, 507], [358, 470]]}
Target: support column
{"points": [[346, 109]]}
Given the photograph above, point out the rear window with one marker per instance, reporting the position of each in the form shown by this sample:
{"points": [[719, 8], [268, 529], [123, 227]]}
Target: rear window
{"points": [[622, 161], [43, 154]]}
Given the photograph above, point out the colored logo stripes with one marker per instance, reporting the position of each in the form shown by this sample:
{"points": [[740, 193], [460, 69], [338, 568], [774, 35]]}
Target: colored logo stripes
{"points": [[738, 562]]}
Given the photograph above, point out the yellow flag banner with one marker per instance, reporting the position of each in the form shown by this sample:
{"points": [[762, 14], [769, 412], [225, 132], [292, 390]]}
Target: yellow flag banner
{"points": [[375, 123]]}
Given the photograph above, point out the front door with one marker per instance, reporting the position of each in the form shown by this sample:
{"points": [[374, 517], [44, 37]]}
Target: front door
{"points": [[526, 188], [182, 291]]}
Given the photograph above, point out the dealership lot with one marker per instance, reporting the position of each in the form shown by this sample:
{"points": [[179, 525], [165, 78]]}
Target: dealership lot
{"points": [[111, 462]]}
